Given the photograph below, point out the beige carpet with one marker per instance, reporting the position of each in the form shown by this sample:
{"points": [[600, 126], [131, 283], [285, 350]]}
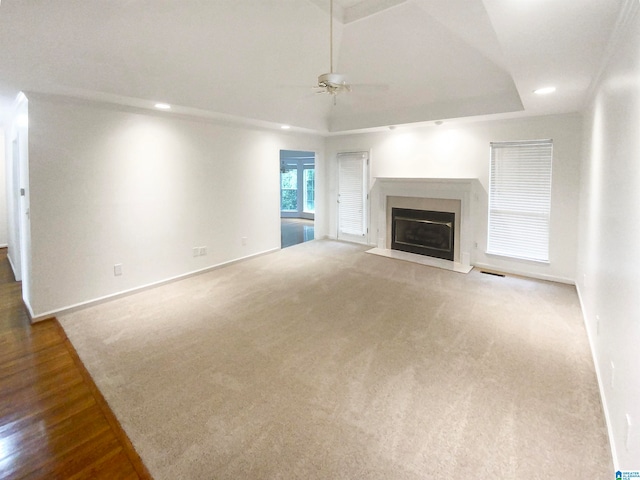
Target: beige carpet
{"points": [[323, 362]]}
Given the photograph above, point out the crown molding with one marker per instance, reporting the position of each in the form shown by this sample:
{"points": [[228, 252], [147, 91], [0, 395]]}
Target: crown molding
{"points": [[629, 10]]}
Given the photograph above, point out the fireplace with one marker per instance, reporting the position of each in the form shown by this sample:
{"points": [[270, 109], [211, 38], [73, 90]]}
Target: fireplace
{"points": [[424, 232], [458, 196]]}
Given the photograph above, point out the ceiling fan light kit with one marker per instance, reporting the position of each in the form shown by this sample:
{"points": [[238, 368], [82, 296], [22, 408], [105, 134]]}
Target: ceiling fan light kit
{"points": [[333, 83]]}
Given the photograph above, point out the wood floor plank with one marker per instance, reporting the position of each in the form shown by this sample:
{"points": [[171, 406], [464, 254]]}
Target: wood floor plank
{"points": [[41, 405], [107, 468], [50, 388], [54, 422], [14, 344], [31, 361], [66, 463], [46, 371], [57, 438], [85, 462], [77, 400]]}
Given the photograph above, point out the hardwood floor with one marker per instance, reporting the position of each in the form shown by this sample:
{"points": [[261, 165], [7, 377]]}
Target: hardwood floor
{"points": [[295, 230], [54, 423]]}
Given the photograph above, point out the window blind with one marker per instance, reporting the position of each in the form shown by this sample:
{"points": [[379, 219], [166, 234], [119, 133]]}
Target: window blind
{"points": [[520, 199]]}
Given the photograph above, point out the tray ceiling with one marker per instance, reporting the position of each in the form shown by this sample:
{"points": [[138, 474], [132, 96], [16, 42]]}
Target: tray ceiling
{"points": [[409, 60]]}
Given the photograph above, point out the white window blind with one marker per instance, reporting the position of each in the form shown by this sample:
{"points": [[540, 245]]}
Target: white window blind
{"points": [[352, 193], [520, 199]]}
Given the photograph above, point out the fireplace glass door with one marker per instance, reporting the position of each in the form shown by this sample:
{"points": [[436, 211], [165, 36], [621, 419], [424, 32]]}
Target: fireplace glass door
{"points": [[423, 232]]}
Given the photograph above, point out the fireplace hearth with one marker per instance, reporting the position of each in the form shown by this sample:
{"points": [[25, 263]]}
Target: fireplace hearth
{"points": [[423, 232]]}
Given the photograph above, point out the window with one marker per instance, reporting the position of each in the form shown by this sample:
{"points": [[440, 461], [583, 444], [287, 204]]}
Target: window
{"points": [[309, 189], [520, 199], [289, 189]]}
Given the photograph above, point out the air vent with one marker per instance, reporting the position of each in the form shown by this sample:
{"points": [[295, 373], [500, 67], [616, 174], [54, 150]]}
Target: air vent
{"points": [[493, 273]]}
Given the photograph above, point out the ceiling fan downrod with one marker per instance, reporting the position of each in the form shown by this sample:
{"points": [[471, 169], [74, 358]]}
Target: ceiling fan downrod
{"points": [[330, 36], [332, 83]]}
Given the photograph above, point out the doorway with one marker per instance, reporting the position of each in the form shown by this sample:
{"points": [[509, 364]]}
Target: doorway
{"points": [[297, 197], [353, 174]]}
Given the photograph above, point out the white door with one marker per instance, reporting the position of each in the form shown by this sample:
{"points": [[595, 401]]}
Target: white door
{"points": [[352, 196]]}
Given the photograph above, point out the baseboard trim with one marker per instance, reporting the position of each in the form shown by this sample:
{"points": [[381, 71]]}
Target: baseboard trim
{"points": [[13, 268], [537, 276], [113, 296], [603, 398], [32, 317]]}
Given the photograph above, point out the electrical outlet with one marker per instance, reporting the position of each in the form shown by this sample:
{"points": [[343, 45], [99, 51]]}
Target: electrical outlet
{"points": [[196, 251], [117, 269], [203, 250], [244, 240]]}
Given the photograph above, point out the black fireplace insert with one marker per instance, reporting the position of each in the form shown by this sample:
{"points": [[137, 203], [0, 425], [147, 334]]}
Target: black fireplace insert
{"points": [[423, 232]]}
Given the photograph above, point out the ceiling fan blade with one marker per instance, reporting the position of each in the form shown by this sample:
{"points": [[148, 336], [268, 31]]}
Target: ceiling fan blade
{"points": [[369, 87]]}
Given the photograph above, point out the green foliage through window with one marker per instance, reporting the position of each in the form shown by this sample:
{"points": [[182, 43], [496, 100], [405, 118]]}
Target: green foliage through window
{"points": [[289, 190]]}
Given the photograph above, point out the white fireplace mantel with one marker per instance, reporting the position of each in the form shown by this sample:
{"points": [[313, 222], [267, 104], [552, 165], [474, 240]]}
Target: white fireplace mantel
{"points": [[462, 189]]}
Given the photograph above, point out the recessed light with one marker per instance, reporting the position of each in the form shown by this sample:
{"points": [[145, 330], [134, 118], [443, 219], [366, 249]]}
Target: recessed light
{"points": [[544, 90], [439, 122], [285, 127], [163, 106], [392, 127]]}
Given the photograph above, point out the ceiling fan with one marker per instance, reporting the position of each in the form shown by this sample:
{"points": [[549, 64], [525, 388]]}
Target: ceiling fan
{"points": [[332, 83]]}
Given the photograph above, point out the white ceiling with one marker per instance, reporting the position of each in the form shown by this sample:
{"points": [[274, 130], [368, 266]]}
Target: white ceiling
{"points": [[409, 60]]}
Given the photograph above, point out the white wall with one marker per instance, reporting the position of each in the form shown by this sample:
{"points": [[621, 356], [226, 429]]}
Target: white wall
{"points": [[462, 151], [609, 255], [3, 192], [111, 185]]}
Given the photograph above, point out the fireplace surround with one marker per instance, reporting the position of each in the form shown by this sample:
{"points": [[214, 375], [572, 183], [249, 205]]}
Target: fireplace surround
{"points": [[452, 206], [453, 195]]}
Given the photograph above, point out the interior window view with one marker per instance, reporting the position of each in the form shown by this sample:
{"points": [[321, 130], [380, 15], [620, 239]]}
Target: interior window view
{"points": [[297, 197], [320, 239]]}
